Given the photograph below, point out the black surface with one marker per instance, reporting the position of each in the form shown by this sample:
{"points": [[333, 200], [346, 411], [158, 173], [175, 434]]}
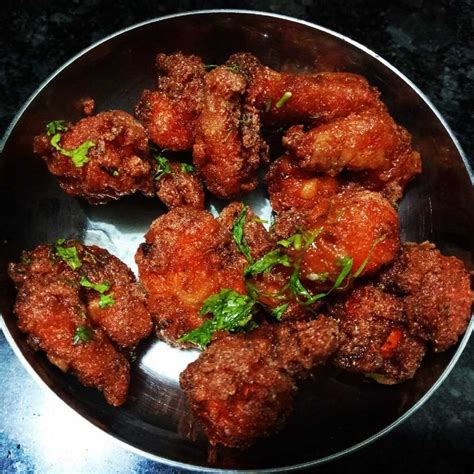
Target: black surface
{"points": [[431, 42]]}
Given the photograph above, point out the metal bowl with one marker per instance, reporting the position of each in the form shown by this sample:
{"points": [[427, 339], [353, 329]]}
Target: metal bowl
{"points": [[336, 413]]}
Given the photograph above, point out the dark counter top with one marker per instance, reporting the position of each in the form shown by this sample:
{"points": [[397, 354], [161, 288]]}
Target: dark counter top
{"points": [[430, 42]]}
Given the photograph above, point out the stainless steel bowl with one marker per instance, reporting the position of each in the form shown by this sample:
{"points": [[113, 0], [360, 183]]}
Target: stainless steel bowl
{"points": [[336, 413]]}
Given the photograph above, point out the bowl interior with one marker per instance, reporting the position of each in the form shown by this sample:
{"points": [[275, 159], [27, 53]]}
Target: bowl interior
{"points": [[335, 411]]}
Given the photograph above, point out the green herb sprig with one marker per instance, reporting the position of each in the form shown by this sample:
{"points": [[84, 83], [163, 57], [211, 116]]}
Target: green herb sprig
{"points": [[105, 299], [67, 254]]}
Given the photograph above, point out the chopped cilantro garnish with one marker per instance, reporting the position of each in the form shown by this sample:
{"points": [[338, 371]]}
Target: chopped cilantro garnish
{"points": [[279, 310], [238, 234], [267, 262], [366, 260], [78, 155], [210, 67], [235, 68], [106, 300], [187, 168], [283, 99], [67, 254], [230, 311], [163, 167], [55, 126], [99, 287], [82, 335]]}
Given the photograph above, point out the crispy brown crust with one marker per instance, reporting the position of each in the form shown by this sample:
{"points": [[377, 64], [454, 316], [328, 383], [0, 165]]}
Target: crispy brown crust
{"points": [[228, 148], [187, 256], [368, 141], [180, 188], [51, 305], [241, 388], [118, 162], [375, 340], [436, 293], [170, 113]]}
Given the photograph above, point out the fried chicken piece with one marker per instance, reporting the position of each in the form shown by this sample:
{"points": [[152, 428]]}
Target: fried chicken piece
{"points": [[436, 293], [180, 187], [242, 387], [228, 148], [51, 311], [187, 257], [170, 113], [359, 224], [367, 141], [254, 233], [291, 187], [315, 98], [100, 158], [374, 337], [125, 317]]}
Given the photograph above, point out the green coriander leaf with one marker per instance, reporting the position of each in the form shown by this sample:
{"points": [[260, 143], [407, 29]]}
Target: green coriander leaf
{"points": [[82, 335], [163, 167], [78, 155], [261, 221], [55, 126], [106, 300], [230, 311], [235, 68], [67, 254], [238, 234], [99, 287], [279, 311], [187, 168], [210, 67], [295, 285], [283, 100], [267, 262], [294, 240]]}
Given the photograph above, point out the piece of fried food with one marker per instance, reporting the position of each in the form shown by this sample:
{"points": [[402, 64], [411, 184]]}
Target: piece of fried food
{"points": [[242, 387], [180, 186], [374, 337], [100, 158], [436, 293], [291, 187], [359, 224], [187, 257], [51, 311], [170, 113], [228, 147], [367, 141], [289, 98], [256, 236]]}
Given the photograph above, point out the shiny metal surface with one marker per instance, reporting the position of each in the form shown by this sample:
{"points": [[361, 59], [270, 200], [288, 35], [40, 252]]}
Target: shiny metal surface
{"points": [[335, 413]]}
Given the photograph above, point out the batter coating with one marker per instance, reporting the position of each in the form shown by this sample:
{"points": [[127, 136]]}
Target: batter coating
{"points": [[242, 387], [187, 257], [100, 158], [228, 148], [170, 113]]}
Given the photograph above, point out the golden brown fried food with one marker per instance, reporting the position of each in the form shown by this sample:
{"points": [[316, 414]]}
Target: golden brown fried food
{"points": [[361, 225], [254, 233], [51, 311], [313, 98], [100, 158], [291, 187], [187, 256], [180, 187], [241, 388], [170, 113], [366, 141], [436, 293], [228, 147], [375, 340]]}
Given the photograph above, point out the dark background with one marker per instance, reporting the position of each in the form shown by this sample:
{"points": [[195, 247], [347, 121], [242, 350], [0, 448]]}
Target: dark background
{"points": [[431, 42]]}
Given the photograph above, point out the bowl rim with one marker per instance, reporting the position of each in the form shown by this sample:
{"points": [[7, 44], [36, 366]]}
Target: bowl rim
{"points": [[177, 464]]}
